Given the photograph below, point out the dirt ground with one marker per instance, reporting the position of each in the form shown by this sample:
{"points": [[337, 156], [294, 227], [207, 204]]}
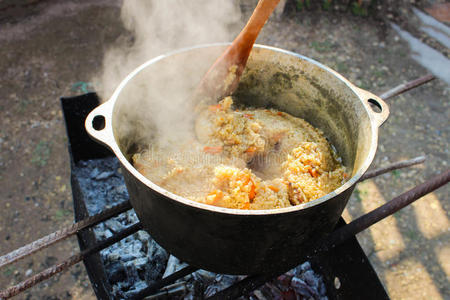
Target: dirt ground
{"points": [[54, 50]]}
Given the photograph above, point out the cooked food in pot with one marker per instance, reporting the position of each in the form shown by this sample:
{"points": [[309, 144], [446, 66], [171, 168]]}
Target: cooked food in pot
{"points": [[246, 159]]}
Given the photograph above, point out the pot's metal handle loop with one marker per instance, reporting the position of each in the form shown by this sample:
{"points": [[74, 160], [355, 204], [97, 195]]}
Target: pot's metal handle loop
{"points": [[98, 124], [379, 108]]}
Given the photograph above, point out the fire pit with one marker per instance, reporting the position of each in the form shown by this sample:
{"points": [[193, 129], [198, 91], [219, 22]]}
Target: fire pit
{"points": [[127, 268], [124, 262]]}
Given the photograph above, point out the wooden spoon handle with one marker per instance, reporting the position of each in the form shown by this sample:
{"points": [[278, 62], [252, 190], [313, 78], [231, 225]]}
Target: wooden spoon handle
{"points": [[243, 43], [223, 76]]}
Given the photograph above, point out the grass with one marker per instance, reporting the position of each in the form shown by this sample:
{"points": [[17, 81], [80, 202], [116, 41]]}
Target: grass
{"points": [[358, 10], [342, 67], [326, 4], [302, 4], [360, 194], [379, 73], [41, 153], [22, 106], [322, 47], [396, 174], [8, 271], [364, 85], [412, 235], [61, 214]]}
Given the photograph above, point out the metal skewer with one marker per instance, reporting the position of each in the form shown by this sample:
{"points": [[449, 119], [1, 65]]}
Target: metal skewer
{"points": [[406, 86], [62, 234], [394, 166], [74, 259]]}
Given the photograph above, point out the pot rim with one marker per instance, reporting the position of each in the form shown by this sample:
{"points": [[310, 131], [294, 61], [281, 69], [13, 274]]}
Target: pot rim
{"points": [[107, 137]]}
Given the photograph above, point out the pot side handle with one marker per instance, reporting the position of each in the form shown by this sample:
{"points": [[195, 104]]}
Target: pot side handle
{"points": [[378, 108], [98, 124]]}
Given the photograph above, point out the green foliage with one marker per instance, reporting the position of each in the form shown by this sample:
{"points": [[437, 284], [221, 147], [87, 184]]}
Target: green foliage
{"points": [[360, 194], [326, 4], [396, 174], [379, 73], [321, 47], [412, 235], [301, 4], [358, 10], [41, 153], [342, 67], [308, 4], [8, 271], [365, 85], [356, 7], [61, 214], [23, 105]]}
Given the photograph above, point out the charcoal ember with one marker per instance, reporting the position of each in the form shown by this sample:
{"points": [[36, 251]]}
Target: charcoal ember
{"points": [[114, 225], [104, 175], [300, 269], [131, 217], [290, 295], [131, 271], [173, 265], [267, 291], [204, 277], [219, 283], [311, 279], [94, 173], [322, 290], [284, 282], [138, 261], [302, 288], [100, 194], [124, 286], [275, 292], [118, 292], [121, 189], [136, 288], [260, 295], [102, 232], [143, 236], [117, 271], [226, 280], [158, 258]]}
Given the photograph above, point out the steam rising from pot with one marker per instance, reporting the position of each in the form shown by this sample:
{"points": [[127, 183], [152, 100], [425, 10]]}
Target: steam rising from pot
{"points": [[157, 101], [159, 26]]}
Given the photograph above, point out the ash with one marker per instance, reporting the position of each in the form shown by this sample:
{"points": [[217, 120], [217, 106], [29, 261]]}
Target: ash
{"points": [[137, 261]]}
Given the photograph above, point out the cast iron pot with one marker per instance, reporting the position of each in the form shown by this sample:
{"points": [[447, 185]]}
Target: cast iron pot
{"points": [[233, 241]]}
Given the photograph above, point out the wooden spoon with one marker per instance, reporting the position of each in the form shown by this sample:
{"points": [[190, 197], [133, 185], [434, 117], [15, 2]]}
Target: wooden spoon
{"points": [[223, 77]]}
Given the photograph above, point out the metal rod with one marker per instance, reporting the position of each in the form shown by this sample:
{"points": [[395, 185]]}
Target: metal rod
{"points": [[387, 209], [406, 86], [163, 282], [62, 234], [32, 281], [172, 291], [393, 166], [250, 283]]}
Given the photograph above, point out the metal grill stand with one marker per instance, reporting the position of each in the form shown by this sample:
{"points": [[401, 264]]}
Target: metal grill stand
{"points": [[346, 261]]}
